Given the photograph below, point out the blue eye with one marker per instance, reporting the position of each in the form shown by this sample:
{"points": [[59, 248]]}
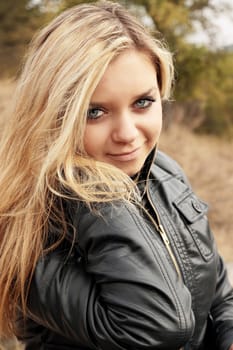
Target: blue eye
{"points": [[144, 102], [94, 113]]}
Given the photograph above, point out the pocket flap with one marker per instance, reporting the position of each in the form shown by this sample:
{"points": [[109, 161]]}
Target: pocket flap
{"points": [[191, 207]]}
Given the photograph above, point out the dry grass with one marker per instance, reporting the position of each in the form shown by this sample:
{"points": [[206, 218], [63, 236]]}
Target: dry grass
{"points": [[208, 162]]}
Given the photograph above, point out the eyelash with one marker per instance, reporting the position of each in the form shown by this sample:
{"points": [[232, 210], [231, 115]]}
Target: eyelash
{"points": [[94, 109], [149, 101]]}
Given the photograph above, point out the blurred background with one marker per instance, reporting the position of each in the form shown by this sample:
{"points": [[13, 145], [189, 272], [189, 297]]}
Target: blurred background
{"points": [[198, 123]]}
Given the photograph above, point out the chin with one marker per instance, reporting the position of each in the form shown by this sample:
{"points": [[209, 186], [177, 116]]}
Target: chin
{"points": [[132, 172], [133, 169]]}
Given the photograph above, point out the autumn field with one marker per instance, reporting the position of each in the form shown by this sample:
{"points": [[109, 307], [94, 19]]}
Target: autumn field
{"points": [[208, 162]]}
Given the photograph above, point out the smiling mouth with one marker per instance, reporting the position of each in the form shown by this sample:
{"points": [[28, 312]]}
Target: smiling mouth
{"points": [[126, 156]]}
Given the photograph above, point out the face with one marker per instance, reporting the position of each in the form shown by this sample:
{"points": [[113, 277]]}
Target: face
{"points": [[125, 115]]}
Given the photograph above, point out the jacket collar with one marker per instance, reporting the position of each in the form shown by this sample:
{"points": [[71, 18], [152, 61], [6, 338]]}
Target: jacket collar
{"points": [[146, 169], [141, 179]]}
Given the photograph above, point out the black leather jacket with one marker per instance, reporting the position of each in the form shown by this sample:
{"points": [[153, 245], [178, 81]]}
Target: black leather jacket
{"points": [[135, 280]]}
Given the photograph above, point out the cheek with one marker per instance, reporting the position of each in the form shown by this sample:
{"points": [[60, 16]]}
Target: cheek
{"points": [[94, 139], [155, 125], [89, 140]]}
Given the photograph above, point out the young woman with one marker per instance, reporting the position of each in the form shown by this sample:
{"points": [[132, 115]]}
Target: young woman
{"points": [[103, 244]]}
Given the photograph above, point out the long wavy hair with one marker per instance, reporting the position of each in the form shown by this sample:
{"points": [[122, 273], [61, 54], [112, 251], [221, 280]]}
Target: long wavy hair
{"points": [[42, 156]]}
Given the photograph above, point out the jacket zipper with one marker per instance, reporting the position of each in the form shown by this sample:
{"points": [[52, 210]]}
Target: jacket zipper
{"points": [[168, 246], [162, 233]]}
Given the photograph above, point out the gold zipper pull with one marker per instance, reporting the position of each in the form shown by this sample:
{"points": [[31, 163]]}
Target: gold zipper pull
{"points": [[167, 244]]}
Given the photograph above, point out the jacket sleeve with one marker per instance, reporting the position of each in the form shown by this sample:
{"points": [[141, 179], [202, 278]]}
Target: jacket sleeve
{"points": [[119, 294], [222, 308]]}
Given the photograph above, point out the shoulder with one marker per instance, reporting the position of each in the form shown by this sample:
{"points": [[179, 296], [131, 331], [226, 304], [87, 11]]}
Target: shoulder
{"points": [[103, 217], [164, 164], [167, 163]]}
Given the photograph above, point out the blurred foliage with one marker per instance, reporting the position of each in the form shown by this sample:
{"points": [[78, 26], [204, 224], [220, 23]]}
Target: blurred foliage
{"points": [[218, 87], [18, 22], [204, 81]]}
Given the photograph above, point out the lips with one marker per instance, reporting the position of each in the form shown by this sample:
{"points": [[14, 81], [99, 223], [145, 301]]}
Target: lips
{"points": [[125, 156]]}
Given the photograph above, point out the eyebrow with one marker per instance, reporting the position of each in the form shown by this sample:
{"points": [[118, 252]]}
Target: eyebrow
{"points": [[149, 92]]}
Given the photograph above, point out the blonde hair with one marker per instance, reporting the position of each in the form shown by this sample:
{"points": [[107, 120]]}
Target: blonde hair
{"points": [[42, 156]]}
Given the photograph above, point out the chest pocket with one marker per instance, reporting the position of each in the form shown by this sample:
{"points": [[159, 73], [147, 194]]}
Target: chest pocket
{"points": [[193, 212]]}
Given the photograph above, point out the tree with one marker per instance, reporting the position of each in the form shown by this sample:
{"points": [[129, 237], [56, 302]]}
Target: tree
{"points": [[18, 22], [203, 74], [219, 102]]}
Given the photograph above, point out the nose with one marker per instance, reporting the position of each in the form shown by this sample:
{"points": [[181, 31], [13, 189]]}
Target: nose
{"points": [[125, 128]]}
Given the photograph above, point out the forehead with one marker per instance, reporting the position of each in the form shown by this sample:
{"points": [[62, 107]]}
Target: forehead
{"points": [[130, 72]]}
